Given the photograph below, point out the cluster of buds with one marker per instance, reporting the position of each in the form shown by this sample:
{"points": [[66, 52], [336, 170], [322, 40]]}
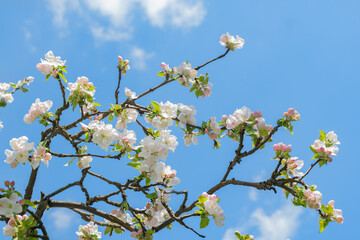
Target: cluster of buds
{"points": [[292, 115], [325, 147], [123, 65], [17, 227], [167, 69]]}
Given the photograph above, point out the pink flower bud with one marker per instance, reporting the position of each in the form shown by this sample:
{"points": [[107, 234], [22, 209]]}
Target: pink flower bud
{"points": [[21, 202], [163, 65], [1, 189], [224, 118], [257, 114], [331, 203], [207, 91], [120, 60], [7, 183], [98, 117]]}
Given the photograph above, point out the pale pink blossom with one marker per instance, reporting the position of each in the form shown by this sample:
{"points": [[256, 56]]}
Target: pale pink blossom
{"points": [[21, 151], [40, 155], [292, 115], [37, 109], [84, 162], [231, 42], [88, 232], [9, 206]]}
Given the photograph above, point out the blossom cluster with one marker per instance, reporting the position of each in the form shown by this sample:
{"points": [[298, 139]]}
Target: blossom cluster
{"points": [[88, 232], [209, 204], [81, 93], [40, 155], [292, 115], [325, 146], [153, 150], [37, 109], [51, 65], [103, 134], [15, 227], [231, 42], [126, 116], [291, 164], [123, 65], [21, 149], [336, 214], [243, 118], [4, 95]]}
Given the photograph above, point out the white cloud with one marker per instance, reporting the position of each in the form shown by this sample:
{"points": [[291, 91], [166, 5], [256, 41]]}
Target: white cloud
{"points": [[280, 225], [59, 10], [253, 194], [120, 14], [61, 218], [108, 34], [172, 12], [139, 58]]}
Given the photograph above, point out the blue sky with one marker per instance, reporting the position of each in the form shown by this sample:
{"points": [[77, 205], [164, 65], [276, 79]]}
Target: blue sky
{"points": [[302, 54]]}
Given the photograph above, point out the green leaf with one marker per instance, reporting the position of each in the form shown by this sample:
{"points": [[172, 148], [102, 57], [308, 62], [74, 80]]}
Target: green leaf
{"points": [[322, 162], [24, 90], [67, 164], [161, 74], [156, 106], [147, 181], [2, 103], [152, 195], [62, 76], [29, 203], [238, 235], [313, 150], [134, 164], [47, 77], [202, 199], [118, 230], [107, 230], [111, 117], [322, 136], [204, 221], [322, 224]]}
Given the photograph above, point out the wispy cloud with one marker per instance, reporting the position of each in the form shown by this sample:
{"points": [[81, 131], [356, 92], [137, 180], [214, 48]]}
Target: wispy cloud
{"points": [[177, 13], [61, 218], [139, 58], [280, 225], [119, 15]]}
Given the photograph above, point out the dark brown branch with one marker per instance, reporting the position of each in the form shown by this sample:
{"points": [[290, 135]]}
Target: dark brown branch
{"points": [[153, 89], [76, 205], [221, 56], [172, 215], [117, 88]]}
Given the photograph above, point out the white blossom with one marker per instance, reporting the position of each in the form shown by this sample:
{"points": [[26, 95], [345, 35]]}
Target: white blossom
{"points": [[37, 109], [9, 206], [21, 149], [231, 42]]}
